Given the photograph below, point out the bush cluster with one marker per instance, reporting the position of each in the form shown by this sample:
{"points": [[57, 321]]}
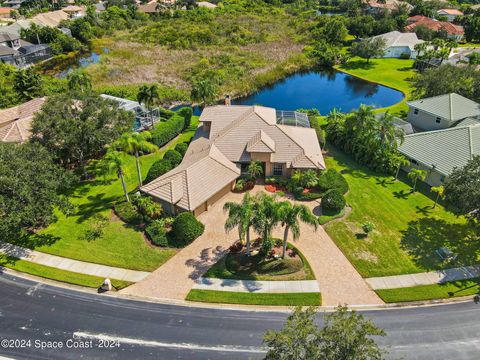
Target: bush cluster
{"points": [[174, 157], [332, 179], [163, 132], [157, 233], [186, 113], [181, 148], [158, 168], [333, 201], [128, 213], [185, 229]]}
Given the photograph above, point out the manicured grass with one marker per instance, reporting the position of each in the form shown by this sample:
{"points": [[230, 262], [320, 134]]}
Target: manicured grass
{"points": [[57, 274], [226, 297], [389, 72], [256, 268], [326, 218], [431, 292], [407, 229], [121, 245]]}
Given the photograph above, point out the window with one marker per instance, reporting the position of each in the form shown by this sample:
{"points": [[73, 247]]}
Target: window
{"points": [[414, 162], [415, 111], [244, 168], [437, 120], [442, 178], [277, 169]]}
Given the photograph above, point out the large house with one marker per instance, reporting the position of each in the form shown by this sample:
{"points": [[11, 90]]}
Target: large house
{"points": [[454, 32], [229, 138], [21, 53], [441, 112], [440, 151], [375, 6], [450, 14], [400, 45], [16, 122]]}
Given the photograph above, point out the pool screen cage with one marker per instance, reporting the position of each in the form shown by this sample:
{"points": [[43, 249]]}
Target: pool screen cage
{"points": [[292, 118]]}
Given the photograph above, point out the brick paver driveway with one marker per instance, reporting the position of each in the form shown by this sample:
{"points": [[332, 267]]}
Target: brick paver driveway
{"points": [[339, 282]]}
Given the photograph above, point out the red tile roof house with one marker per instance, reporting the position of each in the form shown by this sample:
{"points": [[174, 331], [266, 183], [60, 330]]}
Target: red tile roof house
{"points": [[229, 138], [373, 6], [450, 14], [5, 13], [454, 31]]}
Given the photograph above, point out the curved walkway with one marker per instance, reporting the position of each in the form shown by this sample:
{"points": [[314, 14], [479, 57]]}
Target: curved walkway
{"points": [[253, 286], [72, 265]]}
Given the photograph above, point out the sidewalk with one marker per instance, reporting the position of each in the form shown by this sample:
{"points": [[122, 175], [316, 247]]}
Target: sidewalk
{"points": [[426, 278], [72, 265], [252, 286]]}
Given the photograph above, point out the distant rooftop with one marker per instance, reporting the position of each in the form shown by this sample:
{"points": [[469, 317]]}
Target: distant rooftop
{"points": [[452, 107]]}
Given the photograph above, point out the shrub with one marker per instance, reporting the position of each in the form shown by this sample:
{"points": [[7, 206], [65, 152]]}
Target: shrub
{"points": [[181, 148], [145, 205], [187, 113], [332, 179], [158, 168], [240, 185], [166, 113], [163, 132], [368, 227], [333, 201], [174, 157], [157, 233], [185, 229], [128, 213], [309, 196]]}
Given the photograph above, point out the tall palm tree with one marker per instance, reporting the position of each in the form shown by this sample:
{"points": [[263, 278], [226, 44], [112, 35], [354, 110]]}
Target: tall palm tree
{"points": [[147, 95], [241, 215], [439, 190], [420, 48], [255, 169], [389, 134], [204, 91], [113, 163], [415, 175], [134, 143], [290, 216], [79, 81], [399, 161], [267, 215]]}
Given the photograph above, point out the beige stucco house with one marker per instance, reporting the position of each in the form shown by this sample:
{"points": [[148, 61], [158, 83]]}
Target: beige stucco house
{"points": [[227, 140]]}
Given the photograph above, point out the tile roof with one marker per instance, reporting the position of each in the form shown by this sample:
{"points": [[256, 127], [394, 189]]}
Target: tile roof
{"points": [[450, 11], [432, 24], [452, 107], [5, 10], [261, 142], [387, 4], [6, 51], [6, 36], [443, 149], [15, 122], [50, 19], [396, 38]]}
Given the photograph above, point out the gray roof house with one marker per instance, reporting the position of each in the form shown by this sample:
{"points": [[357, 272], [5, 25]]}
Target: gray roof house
{"points": [[440, 151], [400, 45], [441, 112]]}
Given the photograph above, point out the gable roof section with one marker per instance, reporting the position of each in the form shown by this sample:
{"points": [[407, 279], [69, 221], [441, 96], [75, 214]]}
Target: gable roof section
{"points": [[450, 12], [443, 149], [15, 122], [432, 24], [261, 142], [396, 38], [452, 106]]}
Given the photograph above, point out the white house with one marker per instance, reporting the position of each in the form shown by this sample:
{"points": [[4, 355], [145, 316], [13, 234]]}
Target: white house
{"points": [[400, 45]]}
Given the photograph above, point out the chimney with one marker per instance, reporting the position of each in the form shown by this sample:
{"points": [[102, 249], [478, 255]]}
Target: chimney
{"points": [[228, 100]]}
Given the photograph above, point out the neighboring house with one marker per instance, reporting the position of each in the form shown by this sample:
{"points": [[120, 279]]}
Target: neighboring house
{"points": [[50, 19], [454, 32], [450, 14], [403, 125], [15, 122], [375, 7], [75, 11], [229, 138], [400, 45], [8, 55], [148, 8], [21, 53], [441, 112], [440, 151], [13, 4], [10, 40], [206, 4], [5, 12]]}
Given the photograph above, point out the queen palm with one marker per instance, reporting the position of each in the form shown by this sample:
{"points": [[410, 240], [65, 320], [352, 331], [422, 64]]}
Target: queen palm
{"points": [[420, 48], [415, 175], [134, 143], [290, 216], [147, 95], [241, 215], [113, 163], [399, 161], [267, 215], [255, 169], [389, 134], [440, 191]]}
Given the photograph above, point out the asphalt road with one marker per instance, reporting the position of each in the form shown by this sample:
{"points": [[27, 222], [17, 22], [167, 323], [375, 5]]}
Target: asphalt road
{"points": [[34, 315]]}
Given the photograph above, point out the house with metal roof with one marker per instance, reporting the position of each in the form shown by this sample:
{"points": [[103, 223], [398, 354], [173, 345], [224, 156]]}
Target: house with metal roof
{"points": [[400, 45], [228, 139], [441, 112], [440, 151]]}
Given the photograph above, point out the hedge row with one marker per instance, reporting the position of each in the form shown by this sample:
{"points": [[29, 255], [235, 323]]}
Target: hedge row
{"points": [[163, 132], [158, 168]]}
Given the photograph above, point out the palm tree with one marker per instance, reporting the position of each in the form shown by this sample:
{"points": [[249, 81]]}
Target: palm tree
{"points": [[79, 81], [267, 215], [133, 143], [290, 216], [415, 175], [148, 95], [255, 169], [439, 190], [399, 161], [241, 216], [389, 134], [204, 91], [420, 48], [113, 163]]}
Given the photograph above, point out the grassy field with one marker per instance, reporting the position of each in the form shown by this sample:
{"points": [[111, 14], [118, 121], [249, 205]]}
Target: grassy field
{"points": [[407, 229], [226, 297], [273, 270], [431, 292], [57, 274], [389, 72], [121, 245]]}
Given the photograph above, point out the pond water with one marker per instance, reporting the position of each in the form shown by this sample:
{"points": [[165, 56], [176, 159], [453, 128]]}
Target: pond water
{"points": [[323, 90], [84, 61]]}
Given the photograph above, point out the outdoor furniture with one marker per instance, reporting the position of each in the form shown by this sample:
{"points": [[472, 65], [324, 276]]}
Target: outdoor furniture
{"points": [[446, 254]]}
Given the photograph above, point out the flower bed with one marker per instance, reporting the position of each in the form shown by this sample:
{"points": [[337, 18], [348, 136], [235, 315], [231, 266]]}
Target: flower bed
{"points": [[274, 188]]}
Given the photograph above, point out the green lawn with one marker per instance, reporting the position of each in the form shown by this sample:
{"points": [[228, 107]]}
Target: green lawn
{"points": [[389, 72], [431, 292], [227, 297], [57, 274], [121, 245], [407, 229], [271, 270]]}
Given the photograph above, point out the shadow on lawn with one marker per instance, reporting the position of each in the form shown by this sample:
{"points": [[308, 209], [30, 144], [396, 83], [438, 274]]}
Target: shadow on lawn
{"points": [[424, 236], [33, 241], [95, 204], [358, 64]]}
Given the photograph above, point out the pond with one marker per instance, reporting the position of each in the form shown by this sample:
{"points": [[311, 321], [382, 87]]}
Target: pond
{"points": [[83, 61], [322, 90]]}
